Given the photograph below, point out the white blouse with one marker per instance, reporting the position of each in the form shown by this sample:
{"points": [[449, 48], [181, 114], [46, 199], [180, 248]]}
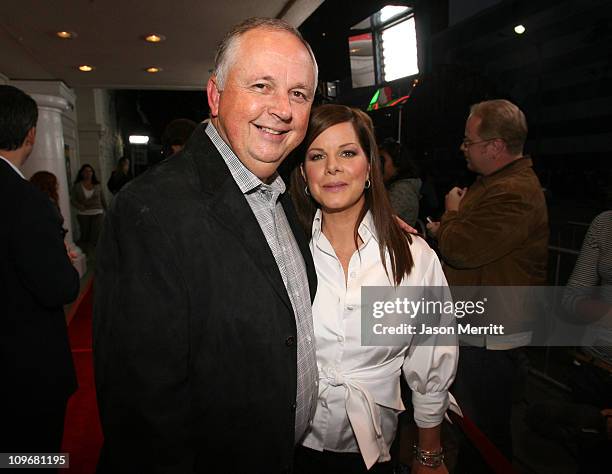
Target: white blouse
{"points": [[359, 386]]}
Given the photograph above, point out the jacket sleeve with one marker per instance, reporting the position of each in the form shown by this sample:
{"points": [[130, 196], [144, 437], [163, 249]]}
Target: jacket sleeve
{"points": [[141, 344], [41, 258], [75, 197], [486, 232]]}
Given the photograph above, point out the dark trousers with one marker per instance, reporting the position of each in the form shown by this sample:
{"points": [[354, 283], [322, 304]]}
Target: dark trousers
{"points": [[90, 227], [484, 387], [32, 426], [310, 461]]}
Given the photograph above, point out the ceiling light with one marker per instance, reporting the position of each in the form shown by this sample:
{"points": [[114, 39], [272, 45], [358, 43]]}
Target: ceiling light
{"points": [[153, 69], [154, 38], [138, 139], [519, 29], [66, 34], [86, 68]]}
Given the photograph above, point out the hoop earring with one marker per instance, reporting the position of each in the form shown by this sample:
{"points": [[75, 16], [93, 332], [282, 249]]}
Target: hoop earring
{"points": [[368, 183], [306, 192]]}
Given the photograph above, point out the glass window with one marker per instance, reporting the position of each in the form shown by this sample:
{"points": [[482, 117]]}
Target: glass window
{"points": [[399, 50], [383, 47]]}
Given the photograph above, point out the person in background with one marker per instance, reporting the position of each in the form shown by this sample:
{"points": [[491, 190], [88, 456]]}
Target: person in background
{"points": [[48, 184], [494, 234], [36, 281], [339, 194], [120, 176], [402, 180], [88, 198], [176, 135]]}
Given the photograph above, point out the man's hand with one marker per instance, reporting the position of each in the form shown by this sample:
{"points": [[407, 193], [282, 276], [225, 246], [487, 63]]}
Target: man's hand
{"points": [[433, 227], [454, 197], [405, 227]]}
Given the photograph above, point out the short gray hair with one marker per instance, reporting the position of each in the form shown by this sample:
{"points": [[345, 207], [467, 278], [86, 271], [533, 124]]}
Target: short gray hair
{"points": [[500, 118], [226, 51]]}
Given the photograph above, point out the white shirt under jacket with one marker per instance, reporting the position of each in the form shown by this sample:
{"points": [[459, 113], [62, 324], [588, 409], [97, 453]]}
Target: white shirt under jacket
{"points": [[359, 386]]}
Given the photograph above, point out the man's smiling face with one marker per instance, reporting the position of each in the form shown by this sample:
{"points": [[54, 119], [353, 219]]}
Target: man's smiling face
{"points": [[263, 108]]}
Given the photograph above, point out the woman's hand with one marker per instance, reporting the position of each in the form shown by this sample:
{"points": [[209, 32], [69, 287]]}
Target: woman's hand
{"points": [[418, 468], [405, 227]]}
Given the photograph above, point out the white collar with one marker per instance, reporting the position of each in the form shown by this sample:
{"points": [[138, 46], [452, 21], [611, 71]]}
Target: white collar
{"points": [[366, 227], [13, 166]]}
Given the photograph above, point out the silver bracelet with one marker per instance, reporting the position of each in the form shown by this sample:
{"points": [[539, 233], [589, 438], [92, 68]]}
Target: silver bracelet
{"points": [[429, 458]]}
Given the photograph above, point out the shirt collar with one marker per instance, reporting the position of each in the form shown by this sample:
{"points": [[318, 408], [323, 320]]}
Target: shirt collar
{"points": [[511, 168], [17, 170], [366, 229], [245, 179]]}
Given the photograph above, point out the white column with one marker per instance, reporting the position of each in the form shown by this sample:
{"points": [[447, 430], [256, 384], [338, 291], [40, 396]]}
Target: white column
{"points": [[48, 155]]}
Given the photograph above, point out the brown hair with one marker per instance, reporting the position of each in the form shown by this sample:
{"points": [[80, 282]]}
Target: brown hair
{"points": [[47, 183], [502, 119], [390, 237]]}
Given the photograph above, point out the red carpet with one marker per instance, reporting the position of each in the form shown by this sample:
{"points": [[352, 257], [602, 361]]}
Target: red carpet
{"points": [[82, 433]]}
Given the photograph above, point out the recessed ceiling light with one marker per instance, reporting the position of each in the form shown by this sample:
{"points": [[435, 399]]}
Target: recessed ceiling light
{"points": [[153, 69], [86, 68], [66, 34], [519, 29], [154, 38]]}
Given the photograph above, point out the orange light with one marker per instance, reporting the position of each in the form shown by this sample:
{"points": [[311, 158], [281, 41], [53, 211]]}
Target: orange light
{"points": [[153, 69], [66, 34], [86, 68]]}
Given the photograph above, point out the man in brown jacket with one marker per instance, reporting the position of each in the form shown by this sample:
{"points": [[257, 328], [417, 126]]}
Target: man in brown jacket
{"points": [[494, 234]]}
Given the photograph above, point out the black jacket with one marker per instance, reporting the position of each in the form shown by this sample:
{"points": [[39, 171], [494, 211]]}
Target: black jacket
{"points": [[36, 280], [194, 358]]}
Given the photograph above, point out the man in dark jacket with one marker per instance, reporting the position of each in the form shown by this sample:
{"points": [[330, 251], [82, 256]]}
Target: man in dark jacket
{"points": [[36, 280], [203, 338]]}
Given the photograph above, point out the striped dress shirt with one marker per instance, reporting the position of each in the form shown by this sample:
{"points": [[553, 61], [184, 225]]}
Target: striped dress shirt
{"points": [[263, 200]]}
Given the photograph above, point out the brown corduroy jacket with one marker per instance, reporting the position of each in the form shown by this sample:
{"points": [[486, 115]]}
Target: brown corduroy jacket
{"points": [[499, 235]]}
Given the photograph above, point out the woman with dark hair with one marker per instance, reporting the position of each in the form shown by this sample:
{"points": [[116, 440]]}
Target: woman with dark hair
{"points": [[48, 184], [120, 176], [88, 198], [401, 176], [341, 201]]}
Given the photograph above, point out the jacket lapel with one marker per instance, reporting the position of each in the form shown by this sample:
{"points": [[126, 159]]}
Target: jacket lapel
{"points": [[302, 242], [230, 209]]}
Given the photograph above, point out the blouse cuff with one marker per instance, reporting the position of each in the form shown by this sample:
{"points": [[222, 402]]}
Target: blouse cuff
{"points": [[429, 408]]}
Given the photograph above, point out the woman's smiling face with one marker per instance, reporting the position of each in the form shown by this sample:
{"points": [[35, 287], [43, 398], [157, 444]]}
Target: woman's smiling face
{"points": [[336, 168]]}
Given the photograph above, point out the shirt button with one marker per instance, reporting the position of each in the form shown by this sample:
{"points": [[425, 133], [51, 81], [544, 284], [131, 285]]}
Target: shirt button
{"points": [[316, 383], [290, 341], [340, 339], [293, 407], [309, 339], [350, 308]]}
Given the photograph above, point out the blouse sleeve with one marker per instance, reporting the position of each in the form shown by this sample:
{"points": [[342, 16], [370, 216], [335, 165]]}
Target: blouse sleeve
{"points": [[585, 275], [429, 368]]}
